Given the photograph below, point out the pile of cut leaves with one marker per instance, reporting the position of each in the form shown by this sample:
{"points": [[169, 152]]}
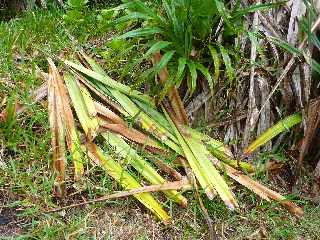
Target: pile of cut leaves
{"points": [[102, 122]]}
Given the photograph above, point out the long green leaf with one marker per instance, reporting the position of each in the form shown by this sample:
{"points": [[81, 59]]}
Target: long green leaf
{"points": [[182, 61], [89, 123], [216, 62], [281, 126], [219, 150], [227, 63], [110, 82], [140, 32], [128, 182], [256, 7], [223, 12], [285, 45], [130, 17], [206, 73], [140, 117], [164, 61], [141, 165], [207, 175], [159, 45], [193, 80]]}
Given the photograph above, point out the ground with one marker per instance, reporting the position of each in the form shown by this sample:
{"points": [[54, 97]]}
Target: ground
{"points": [[25, 170]]}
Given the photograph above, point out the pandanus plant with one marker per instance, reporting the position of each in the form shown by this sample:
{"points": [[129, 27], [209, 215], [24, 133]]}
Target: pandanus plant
{"points": [[133, 131]]}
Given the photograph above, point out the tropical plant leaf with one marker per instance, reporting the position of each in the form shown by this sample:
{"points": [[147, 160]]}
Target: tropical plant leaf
{"points": [[141, 165], [207, 75], [224, 14], [208, 177], [57, 132], [129, 17], [170, 10], [255, 7], [315, 66], [164, 61], [80, 102], [193, 73], [281, 126], [130, 109], [128, 182], [285, 45], [227, 63], [182, 61], [110, 82], [216, 62], [159, 45], [259, 189], [140, 32]]}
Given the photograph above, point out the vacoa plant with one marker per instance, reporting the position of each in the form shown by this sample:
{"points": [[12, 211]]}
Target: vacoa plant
{"points": [[192, 36]]}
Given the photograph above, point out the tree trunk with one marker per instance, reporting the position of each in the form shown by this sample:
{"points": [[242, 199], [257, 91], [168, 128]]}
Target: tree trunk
{"points": [[9, 8], [16, 6]]}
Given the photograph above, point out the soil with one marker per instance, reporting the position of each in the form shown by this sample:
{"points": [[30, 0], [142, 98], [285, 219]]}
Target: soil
{"points": [[9, 222], [9, 226]]}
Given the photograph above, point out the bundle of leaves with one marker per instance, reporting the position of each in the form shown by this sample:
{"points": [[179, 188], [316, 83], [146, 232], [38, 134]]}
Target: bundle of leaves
{"points": [[121, 131]]}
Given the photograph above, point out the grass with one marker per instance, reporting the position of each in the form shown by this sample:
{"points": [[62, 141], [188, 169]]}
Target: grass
{"points": [[25, 170]]}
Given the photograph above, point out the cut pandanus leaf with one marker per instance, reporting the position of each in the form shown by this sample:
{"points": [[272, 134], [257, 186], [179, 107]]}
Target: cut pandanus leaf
{"points": [[129, 133], [59, 155], [217, 181], [89, 103], [198, 149], [245, 166], [81, 99], [130, 110], [126, 151], [128, 182], [108, 114], [148, 124], [153, 113], [57, 134], [258, 188], [110, 82], [218, 149], [136, 114], [65, 113], [208, 177], [121, 146], [281, 126]]}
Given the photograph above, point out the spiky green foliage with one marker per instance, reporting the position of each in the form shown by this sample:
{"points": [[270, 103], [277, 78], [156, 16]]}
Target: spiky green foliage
{"points": [[204, 155], [185, 32], [74, 11]]}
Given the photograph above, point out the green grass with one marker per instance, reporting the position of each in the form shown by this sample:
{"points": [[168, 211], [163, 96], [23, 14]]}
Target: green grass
{"points": [[25, 171]]}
